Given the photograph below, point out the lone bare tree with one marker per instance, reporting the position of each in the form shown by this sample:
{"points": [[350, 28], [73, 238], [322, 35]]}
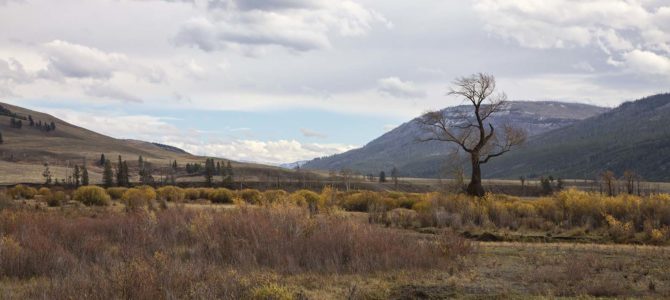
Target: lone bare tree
{"points": [[472, 130]]}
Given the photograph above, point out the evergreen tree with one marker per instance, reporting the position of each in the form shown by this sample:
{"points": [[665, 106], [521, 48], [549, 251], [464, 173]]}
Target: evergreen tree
{"points": [[126, 174], [174, 165], [53, 125], [218, 167], [382, 176], [1, 140], [227, 173], [76, 175], [47, 174], [108, 174], [209, 171], [31, 121], [102, 160], [122, 175], [84, 175]]}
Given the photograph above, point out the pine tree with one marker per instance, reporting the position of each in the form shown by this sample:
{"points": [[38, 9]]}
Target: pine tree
{"points": [[209, 171], [102, 160], [31, 121], [76, 175], [126, 174], [174, 165], [218, 167], [108, 174], [1, 140], [53, 125], [84, 175], [382, 176]]}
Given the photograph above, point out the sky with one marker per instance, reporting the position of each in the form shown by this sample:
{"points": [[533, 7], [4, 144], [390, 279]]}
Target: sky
{"points": [[278, 81]]}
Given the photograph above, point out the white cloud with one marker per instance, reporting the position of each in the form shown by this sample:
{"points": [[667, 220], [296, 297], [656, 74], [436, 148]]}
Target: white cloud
{"points": [[270, 152], [395, 87], [647, 62], [78, 61], [622, 29]]}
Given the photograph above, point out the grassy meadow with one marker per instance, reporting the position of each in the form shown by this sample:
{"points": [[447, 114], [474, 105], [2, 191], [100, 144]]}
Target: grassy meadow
{"points": [[205, 243]]}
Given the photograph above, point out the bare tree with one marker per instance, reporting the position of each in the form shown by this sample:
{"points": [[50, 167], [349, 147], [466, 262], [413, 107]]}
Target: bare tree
{"points": [[472, 130], [610, 181]]}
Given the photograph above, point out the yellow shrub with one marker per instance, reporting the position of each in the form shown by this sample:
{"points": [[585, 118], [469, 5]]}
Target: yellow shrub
{"points": [[251, 196], [171, 194], [116, 192], [22, 192], [137, 198], [275, 196], [221, 195], [92, 195]]}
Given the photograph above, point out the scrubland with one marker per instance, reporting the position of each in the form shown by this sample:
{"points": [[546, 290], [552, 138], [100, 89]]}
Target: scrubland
{"points": [[204, 243]]}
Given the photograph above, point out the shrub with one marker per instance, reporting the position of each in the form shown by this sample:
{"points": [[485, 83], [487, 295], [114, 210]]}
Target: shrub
{"points": [[57, 199], [192, 194], [44, 192], [171, 194], [221, 195], [275, 196], [22, 192], [251, 196], [364, 201], [137, 198], [92, 195], [116, 192]]}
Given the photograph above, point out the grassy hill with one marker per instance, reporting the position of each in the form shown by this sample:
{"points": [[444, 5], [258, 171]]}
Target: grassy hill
{"points": [[635, 136], [25, 150]]}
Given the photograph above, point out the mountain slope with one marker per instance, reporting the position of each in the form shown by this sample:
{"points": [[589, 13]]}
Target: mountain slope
{"points": [[25, 150], [634, 136], [399, 148]]}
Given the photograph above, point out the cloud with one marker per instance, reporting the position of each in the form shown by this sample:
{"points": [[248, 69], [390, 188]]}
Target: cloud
{"points": [[647, 62], [311, 133], [110, 92], [78, 61], [254, 26], [621, 29], [156, 129], [395, 87], [13, 71]]}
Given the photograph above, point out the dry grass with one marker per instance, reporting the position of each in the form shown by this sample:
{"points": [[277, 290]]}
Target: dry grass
{"points": [[180, 253]]}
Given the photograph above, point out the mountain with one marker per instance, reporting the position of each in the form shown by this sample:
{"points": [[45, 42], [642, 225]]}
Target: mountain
{"points": [[25, 150], [293, 165], [399, 147], [634, 136]]}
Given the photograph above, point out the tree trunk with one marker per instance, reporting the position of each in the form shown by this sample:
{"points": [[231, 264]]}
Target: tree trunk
{"points": [[475, 187]]}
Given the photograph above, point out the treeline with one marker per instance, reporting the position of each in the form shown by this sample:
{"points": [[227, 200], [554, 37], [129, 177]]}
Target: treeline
{"points": [[43, 126]]}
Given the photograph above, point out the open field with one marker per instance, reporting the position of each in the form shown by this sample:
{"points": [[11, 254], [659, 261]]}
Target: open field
{"points": [[215, 243]]}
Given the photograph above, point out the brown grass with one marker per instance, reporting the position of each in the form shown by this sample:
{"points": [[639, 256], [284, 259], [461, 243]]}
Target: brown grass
{"points": [[185, 254]]}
